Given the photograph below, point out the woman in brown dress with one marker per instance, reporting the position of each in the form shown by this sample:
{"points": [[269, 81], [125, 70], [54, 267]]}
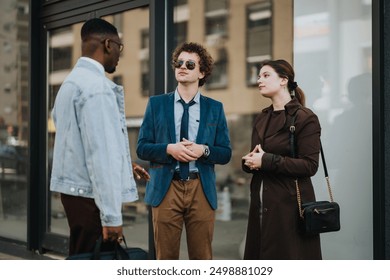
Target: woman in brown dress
{"points": [[273, 223]]}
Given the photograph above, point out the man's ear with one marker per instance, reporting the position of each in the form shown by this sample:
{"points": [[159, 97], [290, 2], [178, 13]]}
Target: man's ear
{"points": [[106, 45]]}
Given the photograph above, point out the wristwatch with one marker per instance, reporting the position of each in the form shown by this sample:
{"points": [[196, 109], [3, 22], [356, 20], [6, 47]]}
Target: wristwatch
{"points": [[206, 151]]}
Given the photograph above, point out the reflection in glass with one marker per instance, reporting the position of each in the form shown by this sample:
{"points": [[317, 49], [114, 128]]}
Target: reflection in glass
{"points": [[14, 118], [333, 67]]}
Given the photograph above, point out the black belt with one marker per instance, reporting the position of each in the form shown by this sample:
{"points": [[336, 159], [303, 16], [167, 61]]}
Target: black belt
{"points": [[191, 176]]}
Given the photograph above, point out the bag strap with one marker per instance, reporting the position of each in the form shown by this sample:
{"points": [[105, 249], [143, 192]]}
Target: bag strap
{"points": [[119, 252], [326, 173], [292, 145]]}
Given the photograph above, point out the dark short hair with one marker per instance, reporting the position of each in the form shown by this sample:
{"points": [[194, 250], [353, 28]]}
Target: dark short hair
{"points": [[205, 60], [97, 26]]}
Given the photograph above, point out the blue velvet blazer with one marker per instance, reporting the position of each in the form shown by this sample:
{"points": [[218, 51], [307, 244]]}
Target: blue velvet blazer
{"points": [[158, 130]]}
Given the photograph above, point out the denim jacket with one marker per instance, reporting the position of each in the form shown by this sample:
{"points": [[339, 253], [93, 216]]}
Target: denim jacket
{"points": [[91, 152]]}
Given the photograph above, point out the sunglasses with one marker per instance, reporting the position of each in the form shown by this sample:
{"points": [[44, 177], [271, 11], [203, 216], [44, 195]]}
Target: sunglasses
{"points": [[189, 64]]}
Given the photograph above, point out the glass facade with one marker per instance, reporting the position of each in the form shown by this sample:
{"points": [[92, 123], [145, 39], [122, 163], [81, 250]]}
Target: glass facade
{"points": [[332, 58], [14, 118]]}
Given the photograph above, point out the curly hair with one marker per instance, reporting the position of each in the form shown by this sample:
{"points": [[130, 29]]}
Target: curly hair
{"points": [[205, 60]]}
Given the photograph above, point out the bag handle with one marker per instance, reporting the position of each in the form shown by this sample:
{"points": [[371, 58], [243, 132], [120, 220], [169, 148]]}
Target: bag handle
{"points": [[119, 252], [292, 145]]}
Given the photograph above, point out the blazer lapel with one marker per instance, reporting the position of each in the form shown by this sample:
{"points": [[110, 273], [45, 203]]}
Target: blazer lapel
{"points": [[204, 108], [169, 106]]}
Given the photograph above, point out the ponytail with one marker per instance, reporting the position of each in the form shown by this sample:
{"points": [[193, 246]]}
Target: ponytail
{"points": [[300, 96], [297, 92]]}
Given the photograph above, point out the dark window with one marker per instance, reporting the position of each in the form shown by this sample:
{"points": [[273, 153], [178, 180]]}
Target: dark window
{"points": [[180, 32], [145, 39], [61, 58], [216, 13], [145, 79], [181, 2], [259, 44], [218, 78]]}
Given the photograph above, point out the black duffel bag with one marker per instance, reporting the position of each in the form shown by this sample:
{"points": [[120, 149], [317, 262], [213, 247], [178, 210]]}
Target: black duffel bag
{"points": [[119, 253]]}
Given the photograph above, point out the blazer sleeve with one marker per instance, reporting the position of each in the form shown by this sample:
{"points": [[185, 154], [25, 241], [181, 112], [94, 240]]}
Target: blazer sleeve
{"points": [[148, 148], [220, 148]]}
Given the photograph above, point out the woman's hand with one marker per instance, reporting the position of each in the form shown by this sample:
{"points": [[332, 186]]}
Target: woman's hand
{"points": [[254, 159]]}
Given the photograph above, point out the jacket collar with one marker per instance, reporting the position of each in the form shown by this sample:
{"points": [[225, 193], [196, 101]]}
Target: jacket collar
{"points": [[290, 110], [91, 64], [291, 107]]}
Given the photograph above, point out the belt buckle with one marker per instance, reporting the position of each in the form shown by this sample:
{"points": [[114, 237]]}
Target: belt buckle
{"points": [[185, 180], [189, 177]]}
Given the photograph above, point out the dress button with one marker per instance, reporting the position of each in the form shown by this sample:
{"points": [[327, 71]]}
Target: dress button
{"points": [[72, 189], [265, 210], [81, 191]]}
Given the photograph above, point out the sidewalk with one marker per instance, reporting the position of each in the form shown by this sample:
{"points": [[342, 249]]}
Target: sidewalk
{"points": [[30, 256], [226, 245], [12, 251], [8, 257]]}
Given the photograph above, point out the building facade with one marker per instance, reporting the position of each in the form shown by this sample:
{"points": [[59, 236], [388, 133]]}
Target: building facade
{"points": [[339, 55]]}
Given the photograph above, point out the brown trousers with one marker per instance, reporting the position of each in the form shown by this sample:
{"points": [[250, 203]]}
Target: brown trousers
{"points": [[84, 223], [185, 203]]}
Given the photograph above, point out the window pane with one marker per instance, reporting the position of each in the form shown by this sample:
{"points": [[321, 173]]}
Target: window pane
{"points": [[216, 25], [259, 35], [14, 118], [216, 17], [213, 5], [332, 57]]}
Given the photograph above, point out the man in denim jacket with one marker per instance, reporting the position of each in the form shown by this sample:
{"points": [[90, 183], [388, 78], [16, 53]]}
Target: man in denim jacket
{"points": [[92, 167]]}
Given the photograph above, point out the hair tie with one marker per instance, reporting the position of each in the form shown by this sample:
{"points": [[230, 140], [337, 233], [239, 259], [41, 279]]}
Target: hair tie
{"points": [[294, 85]]}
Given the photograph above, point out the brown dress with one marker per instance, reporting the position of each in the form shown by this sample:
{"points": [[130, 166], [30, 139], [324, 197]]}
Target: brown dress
{"points": [[273, 223]]}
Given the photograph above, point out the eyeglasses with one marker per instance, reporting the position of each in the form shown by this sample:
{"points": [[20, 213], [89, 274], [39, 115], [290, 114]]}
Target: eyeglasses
{"points": [[189, 64], [120, 45]]}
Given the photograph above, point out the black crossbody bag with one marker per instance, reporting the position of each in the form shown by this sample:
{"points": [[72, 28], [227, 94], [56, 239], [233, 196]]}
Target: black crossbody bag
{"points": [[316, 216]]}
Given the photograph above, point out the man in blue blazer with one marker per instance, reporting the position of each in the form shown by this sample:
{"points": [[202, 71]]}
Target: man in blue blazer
{"points": [[178, 197]]}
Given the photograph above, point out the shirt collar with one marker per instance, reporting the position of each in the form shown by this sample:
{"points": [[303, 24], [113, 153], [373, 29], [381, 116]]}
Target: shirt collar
{"points": [[196, 97]]}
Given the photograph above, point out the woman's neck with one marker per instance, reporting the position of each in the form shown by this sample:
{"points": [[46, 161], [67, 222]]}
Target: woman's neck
{"points": [[279, 101]]}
